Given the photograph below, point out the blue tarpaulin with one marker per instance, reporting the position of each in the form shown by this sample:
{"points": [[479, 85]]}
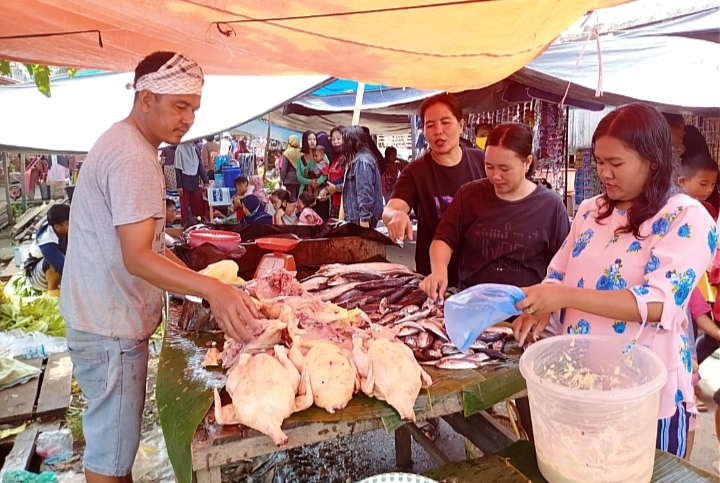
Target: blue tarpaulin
{"points": [[342, 86], [259, 127]]}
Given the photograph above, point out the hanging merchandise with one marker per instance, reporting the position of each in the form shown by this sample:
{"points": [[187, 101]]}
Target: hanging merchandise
{"points": [[587, 182], [550, 143]]}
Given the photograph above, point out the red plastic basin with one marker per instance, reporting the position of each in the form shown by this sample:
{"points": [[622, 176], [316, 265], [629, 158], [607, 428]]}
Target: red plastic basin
{"points": [[225, 241]]}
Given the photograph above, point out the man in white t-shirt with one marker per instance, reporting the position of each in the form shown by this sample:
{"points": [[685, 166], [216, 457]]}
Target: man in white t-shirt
{"points": [[117, 266]]}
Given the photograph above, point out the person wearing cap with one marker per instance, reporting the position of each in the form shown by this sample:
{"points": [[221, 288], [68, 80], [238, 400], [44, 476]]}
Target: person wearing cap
{"points": [[226, 144], [117, 268]]}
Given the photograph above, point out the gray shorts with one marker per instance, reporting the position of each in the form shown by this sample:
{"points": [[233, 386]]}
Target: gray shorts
{"points": [[111, 373]]}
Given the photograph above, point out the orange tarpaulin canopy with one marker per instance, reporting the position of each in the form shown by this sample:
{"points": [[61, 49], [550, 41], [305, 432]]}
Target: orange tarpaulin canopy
{"points": [[426, 44]]}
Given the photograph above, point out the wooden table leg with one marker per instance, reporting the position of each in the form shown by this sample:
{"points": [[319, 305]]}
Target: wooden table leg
{"points": [[211, 475], [403, 448], [482, 430], [427, 444]]}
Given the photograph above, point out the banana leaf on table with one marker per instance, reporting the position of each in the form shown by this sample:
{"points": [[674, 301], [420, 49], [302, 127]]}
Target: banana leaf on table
{"points": [[184, 394]]}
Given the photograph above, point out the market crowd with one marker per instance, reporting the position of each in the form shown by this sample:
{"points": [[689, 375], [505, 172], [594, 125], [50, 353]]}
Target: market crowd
{"points": [[626, 266]]}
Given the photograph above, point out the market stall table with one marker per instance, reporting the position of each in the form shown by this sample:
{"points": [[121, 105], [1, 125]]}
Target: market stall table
{"points": [[197, 446]]}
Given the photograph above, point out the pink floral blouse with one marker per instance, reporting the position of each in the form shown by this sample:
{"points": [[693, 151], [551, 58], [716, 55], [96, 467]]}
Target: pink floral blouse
{"points": [[680, 243]]}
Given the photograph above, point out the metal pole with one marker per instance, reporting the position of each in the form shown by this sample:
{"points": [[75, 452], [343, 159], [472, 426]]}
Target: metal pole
{"points": [[5, 157], [267, 148], [23, 182], [413, 135], [358, 103]]}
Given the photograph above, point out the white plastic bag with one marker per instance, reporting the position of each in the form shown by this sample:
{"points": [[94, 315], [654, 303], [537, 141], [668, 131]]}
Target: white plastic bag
{"points": [[152, 464], [55, 446], [18, 342]]}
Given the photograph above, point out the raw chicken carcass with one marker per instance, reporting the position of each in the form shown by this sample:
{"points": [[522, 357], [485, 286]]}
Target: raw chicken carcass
{"points": [[331, 375], [271, 333], [389, 372], [263, 393], [277, 283]]}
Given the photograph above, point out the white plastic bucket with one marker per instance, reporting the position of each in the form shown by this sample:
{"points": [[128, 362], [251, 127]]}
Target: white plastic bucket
{"points": [[594, 408]]}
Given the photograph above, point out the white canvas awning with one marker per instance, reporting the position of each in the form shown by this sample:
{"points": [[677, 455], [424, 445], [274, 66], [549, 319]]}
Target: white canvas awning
{"points": [[81, 109]]}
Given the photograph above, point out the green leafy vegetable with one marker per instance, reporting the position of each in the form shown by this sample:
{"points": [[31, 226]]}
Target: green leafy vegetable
{"points": [[26, 309], [5, 67]]}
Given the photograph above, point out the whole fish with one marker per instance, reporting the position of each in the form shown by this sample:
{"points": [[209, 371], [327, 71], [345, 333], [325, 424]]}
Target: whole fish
{"points": [[425, 340], [366, 298], [456, 364], [432, 354], [358, 277], [389, 318], [479, 357], [372, 268], [370, 308], [382, 283], [401, 292], [408, 331], [412, 341], [416, 316], [478, 344], [332, 293], [495, 354], [314, 284], [435, 328], [409, 323], [449, 349], [490, 337], [382, 306], [410, 309], [438, 344], [348, 294], [500, 329]]}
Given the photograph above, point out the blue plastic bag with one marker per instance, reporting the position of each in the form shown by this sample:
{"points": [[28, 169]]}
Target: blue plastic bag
{"points": [[470, 312]]}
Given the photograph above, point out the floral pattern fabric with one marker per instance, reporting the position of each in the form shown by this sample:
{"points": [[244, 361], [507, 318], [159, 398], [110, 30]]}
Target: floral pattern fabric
{"points": [[675, 248]]}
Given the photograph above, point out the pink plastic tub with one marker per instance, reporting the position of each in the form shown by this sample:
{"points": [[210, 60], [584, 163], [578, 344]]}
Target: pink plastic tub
{"points": [[224, 240]]}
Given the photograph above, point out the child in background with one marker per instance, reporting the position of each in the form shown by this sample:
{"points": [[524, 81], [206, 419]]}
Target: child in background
{"points": [[170, 213], [241, 189], [308, 216], [321, 162], [698, 176]]}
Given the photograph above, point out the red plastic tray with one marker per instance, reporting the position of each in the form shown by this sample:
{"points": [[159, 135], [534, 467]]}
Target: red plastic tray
{"points": [[277, 244]]}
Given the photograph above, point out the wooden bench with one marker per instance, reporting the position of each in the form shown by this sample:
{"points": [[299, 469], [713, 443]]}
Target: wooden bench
{"points": [[46, 395]]}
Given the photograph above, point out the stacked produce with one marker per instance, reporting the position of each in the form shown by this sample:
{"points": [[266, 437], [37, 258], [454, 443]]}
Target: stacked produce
{"points": [[347, 329], [24, 308]]}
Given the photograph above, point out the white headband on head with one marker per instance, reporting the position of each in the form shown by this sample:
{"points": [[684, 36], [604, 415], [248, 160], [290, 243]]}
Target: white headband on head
{"points": [[179, 75]]}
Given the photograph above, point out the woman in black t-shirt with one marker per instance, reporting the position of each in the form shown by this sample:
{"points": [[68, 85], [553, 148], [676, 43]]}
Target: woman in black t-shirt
{"points": [[506, 228]]}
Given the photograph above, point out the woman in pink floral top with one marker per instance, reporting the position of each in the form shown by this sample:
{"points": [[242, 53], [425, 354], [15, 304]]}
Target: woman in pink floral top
{"points": [[632, 258]]}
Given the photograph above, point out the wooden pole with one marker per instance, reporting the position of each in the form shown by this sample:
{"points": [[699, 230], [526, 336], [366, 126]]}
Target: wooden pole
{"points": [[23, 182], [267, 148], [358, 103], [8, 201], [413, 135]]}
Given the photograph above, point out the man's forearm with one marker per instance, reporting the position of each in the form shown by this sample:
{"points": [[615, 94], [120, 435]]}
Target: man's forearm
{"points": [[171, 256], [166, 274]]}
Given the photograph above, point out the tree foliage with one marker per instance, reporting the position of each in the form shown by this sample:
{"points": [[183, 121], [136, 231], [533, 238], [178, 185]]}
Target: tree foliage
{"points": [[38, 72]]}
